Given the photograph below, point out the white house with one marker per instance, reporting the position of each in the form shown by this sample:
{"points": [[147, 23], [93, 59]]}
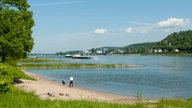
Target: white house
{"points": [[160, 50], [176, 50], [99, 52]]}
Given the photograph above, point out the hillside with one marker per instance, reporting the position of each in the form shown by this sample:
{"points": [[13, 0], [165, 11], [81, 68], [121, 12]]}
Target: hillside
{"points": [[181, 41]]}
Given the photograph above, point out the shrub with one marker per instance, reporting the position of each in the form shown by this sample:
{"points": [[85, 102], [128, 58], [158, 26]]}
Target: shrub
{"points": [[6, 78]]}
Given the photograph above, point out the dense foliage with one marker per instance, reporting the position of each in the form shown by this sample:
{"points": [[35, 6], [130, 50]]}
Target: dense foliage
{"points": [[6, 78], [16, 24], [181, 40]]}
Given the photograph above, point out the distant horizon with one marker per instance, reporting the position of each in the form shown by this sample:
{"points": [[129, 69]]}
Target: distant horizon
{"points": [[82, 24]]}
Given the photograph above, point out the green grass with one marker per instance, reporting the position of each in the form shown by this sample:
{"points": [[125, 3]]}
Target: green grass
{"points": [[21, 99], [174, 103], [47, 66], [18, 73]]}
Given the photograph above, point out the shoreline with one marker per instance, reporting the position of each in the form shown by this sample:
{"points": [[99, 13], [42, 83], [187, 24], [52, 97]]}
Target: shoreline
{"points": [[47, 89]]}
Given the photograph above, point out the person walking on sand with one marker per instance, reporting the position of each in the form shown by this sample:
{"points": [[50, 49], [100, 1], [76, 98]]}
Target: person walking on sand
{"points": [[71, 82]]}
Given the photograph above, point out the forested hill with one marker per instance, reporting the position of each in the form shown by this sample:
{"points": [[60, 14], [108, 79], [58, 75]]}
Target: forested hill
{"points": [[181, 40], [178, 40]]}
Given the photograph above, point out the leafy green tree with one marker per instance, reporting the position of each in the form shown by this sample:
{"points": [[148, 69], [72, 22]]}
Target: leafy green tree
{"points": [[93, 50], [16, 24]]}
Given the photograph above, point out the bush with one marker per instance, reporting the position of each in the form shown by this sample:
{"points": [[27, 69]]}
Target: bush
{"points": [[6, 78]]}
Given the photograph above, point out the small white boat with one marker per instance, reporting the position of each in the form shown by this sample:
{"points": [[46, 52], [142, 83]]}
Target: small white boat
{"points": [[77, 56], [68, 55]]}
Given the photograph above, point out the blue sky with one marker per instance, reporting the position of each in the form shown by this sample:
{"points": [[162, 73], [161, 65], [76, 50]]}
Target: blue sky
{"points": [[65, 25]]}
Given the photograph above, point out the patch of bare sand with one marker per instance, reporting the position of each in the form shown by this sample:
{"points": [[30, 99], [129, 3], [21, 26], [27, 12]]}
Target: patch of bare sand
{"points": [[47, 89]]}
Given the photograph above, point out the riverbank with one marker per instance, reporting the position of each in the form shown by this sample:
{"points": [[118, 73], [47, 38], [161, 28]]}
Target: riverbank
{"points": [[47, 89]]}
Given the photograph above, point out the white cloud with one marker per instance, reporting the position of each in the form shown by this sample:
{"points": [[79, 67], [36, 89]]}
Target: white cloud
{"points": [[100, 31], [174, 22], [129, 30]]}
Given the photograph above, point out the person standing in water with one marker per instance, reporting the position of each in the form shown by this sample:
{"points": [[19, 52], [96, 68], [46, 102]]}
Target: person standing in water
{"points": [[71, 82]]}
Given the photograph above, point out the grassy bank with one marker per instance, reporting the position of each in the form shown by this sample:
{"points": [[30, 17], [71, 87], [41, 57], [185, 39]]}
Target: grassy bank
{"points": [[52, 66], [18, 73], [21, 99], [15, 72]]}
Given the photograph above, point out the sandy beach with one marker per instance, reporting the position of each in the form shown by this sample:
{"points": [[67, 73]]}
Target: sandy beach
{"points": [[47, 89]]}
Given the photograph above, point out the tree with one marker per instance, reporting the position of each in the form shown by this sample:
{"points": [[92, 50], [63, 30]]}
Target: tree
{"points": [[16, 24], [93, 50]]}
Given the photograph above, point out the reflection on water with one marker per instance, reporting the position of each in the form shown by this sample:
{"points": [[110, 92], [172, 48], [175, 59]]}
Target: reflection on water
{"points": [[161, 76]]}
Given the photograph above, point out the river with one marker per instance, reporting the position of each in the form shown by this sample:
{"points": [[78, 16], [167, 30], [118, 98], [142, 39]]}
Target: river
{"points": [[158, 76]]}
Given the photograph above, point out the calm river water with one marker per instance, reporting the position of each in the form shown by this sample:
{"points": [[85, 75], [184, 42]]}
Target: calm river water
{"points": [[159, 76]]}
